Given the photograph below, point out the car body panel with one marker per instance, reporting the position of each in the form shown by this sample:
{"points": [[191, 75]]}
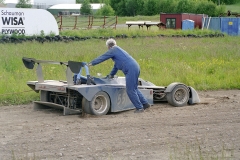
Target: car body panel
{"points": [[70, 95]]}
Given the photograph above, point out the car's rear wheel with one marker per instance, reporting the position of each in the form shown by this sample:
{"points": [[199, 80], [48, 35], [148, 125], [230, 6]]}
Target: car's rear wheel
{"points": [[99, 105], [179, 96], [86, 106]]}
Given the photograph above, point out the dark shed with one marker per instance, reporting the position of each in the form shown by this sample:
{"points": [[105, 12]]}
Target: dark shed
{"points": [[174, 21]]}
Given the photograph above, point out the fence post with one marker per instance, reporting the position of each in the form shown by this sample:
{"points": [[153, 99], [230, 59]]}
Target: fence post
{"points": [[75, 23], [88, 21], [104, 22], [116, 23], [60, 26]]}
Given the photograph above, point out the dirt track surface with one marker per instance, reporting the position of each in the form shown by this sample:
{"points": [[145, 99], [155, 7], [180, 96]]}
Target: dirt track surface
{"points": [[209, 129]]}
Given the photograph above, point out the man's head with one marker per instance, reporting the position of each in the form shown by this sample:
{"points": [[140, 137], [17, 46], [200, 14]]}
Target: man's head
{"points": [[110, 43]]}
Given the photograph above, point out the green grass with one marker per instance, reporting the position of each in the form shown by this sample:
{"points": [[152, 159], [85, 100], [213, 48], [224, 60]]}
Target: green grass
{"points": [[203, 63], [134, 31], [234, 7]]}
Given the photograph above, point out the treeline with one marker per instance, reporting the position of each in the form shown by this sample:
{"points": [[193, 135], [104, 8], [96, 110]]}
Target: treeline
{"points": [[227, 2], [155, 7]]}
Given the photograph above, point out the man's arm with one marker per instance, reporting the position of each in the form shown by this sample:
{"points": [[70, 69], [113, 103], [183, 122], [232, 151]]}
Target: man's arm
{"points": [[102, 58], [114, 70]]}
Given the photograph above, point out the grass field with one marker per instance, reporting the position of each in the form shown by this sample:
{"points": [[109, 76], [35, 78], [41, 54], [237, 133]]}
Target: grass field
{"points": [[234, 7], [203, 63]]}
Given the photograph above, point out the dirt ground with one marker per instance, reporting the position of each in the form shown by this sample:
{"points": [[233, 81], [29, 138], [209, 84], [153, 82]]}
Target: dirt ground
{"points": [[207, 130]]}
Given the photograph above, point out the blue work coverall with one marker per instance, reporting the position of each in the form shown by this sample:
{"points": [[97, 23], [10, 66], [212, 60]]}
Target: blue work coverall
{"points": [[123, 61]]}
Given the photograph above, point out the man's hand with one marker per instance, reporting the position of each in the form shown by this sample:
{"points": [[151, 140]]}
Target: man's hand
{"points": [[110, 76], [87, 64]]}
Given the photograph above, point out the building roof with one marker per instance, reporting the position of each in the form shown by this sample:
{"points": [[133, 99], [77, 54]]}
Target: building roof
{"points": [[53, 2], [75, 6]]}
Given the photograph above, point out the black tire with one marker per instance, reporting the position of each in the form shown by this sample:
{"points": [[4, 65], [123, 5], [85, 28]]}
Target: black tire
{"points": [[86, 106], [179, 96], [99, 105]]}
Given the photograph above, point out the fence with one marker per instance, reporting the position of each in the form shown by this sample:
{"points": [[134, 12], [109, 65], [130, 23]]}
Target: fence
{"points": [[86, 22]]}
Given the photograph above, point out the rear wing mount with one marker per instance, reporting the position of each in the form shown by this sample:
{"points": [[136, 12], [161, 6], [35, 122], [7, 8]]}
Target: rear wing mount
{"points": [[72, 67]]}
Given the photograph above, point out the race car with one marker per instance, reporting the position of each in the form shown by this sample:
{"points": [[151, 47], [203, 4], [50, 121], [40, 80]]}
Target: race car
{"points": [[99, 95]]}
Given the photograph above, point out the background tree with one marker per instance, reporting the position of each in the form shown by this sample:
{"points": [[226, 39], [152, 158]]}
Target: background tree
{"points": [[225, 1], [24, 4], [79, 1], [220, 9], [155, 7], [140, 6], [134, 7], [95, 1], [106, 10], [206, 7], [131, 7], [91, 1], [2, 1], [121, 8], [114, 4], [86, 8], [167, 6], [150, 8], [105, 1], [186, 6]]}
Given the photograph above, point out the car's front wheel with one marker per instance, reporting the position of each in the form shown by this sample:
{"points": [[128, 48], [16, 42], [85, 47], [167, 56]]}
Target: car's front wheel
{"points": [[179, 96]]}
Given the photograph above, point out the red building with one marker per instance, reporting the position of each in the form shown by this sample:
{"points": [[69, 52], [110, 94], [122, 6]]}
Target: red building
{"points": [[174, 21]]}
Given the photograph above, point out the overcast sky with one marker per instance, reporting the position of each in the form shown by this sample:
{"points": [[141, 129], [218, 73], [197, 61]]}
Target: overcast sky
{"points": [[12, 1], [45, 1]]}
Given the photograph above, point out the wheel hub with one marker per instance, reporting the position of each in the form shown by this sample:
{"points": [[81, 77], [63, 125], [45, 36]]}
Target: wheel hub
{"points": [[180, 95], [100, 104]]}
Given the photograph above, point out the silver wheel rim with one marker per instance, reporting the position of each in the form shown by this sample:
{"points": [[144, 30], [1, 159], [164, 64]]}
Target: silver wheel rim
{"points": [[100, 104], [180, 96]]}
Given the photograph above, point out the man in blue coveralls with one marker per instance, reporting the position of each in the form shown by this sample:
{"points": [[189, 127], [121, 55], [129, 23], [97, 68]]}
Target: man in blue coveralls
{"points": [[123, 61]]}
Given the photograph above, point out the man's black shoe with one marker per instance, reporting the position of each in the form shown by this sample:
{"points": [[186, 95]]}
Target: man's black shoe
{"points": [[146, 106], [139, 111]]}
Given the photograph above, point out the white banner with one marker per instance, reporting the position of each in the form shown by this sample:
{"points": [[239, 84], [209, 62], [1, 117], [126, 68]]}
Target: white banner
{"points": [[27, 21]]}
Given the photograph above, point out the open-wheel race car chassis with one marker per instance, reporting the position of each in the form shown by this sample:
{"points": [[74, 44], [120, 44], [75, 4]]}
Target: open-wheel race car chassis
{"points": [[98, 96]]}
